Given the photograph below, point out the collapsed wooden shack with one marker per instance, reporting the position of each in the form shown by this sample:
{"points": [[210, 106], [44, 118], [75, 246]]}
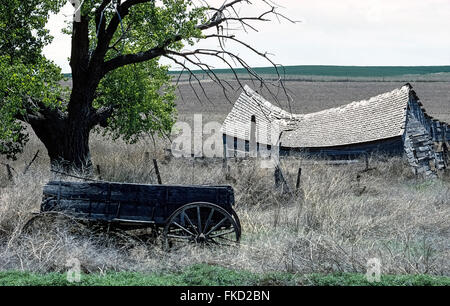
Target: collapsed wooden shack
{"points": [[393, 123]]}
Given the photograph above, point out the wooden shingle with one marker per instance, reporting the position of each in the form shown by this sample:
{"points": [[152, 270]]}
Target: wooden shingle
{"points": [[377, 118]]}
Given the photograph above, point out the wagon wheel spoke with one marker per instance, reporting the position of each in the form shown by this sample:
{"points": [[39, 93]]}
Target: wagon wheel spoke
{"points": [[221, 234], [209, 219], [184, 229], [178, 231], [179, 237], [216, 226], [213, 241], [199, 221], [230, 242], [190, 222], [227, 239]]}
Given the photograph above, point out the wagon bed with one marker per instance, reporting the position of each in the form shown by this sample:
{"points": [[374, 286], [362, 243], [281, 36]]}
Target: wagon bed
{"points": [[191, 213]]}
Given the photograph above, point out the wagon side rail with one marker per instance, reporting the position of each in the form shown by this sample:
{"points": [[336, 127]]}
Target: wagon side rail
{"points": [[129, 202]]}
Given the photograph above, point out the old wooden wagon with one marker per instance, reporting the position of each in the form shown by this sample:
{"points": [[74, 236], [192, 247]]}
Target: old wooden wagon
{"points": [[178, 213]]}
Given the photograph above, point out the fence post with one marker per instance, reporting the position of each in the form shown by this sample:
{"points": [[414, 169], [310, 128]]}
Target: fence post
{"points": [[224, 157], [228, 173], [155, 164], [277, 175], [193, 170], [280, 180], [8, 169], [225, 165], [239, 163], [99, 172], [299, 174]]}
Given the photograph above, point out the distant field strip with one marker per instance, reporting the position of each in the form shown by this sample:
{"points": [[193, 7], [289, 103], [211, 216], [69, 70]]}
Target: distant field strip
{"points": [[333, 73], [340, 71]]}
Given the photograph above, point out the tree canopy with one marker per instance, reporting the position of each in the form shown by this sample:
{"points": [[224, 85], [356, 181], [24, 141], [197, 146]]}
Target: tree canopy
{"points": [[28, 81], [118, 82]]}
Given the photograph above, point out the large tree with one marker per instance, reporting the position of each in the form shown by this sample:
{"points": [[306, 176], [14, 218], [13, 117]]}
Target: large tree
{"points": [[118, 82]]}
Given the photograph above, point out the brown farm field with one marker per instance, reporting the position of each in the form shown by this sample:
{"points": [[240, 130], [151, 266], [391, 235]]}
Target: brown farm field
{"points": [[338, 220], [313, 96]]}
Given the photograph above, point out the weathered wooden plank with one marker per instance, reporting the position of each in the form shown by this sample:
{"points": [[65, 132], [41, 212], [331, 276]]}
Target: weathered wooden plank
{"points": [[149, 195], [81, 208], [109, 211], [96, 191]]}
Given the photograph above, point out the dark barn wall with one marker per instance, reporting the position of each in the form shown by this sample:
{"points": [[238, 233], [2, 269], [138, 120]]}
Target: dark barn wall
{"points": [[236, 147], [390, 146]]}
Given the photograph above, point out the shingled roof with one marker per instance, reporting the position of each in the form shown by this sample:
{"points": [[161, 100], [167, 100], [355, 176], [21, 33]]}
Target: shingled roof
{"points": [[380, 117], [377, 118]]}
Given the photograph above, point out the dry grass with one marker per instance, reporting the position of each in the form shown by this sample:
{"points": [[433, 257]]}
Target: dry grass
{"points": [[335, 223]]}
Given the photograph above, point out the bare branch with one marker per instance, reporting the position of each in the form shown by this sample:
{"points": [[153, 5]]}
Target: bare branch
{"points": [[205, 68], [191, 74], [221, 19]]}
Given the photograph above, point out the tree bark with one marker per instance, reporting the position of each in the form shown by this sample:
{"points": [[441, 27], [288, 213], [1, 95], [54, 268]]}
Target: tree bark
{"points": [[66, 137], [67, 144]]}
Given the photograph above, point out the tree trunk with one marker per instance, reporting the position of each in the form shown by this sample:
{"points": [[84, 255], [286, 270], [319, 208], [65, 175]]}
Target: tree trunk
{"points": [[67, 144], [72, 152], [66, 136]]}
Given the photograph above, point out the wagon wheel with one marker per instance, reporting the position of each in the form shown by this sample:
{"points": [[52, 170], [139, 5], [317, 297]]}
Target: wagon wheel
{"points": [[119, 237], [203, 223], [238, 222], [51, 221]]}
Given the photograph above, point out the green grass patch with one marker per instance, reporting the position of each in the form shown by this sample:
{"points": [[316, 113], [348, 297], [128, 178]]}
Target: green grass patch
{"points": [[347, 279], [207, 275]]}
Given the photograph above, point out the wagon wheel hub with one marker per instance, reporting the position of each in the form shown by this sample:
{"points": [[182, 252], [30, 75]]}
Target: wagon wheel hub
{"points": [[201, 238]]}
